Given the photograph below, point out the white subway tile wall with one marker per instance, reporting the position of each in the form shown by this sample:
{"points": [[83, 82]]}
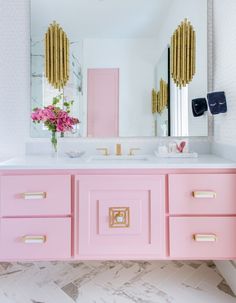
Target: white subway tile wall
{"points": [[224, 46], [14, 76]]}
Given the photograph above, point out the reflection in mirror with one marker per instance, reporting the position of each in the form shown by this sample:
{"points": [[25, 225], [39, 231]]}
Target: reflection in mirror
{"points": [[162, 114], [119, 65]]}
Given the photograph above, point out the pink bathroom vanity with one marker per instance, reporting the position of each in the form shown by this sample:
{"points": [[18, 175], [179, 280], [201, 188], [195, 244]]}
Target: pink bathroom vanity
{"points": [[75, 211]]}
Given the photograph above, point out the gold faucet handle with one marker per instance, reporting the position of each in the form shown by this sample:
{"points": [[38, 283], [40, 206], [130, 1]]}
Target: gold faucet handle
{"points": [[132, 150], [118, 150], [104, 150]]}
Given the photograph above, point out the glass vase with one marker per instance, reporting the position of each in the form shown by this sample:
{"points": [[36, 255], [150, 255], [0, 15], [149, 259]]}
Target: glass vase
{"points": [[54, 143]]}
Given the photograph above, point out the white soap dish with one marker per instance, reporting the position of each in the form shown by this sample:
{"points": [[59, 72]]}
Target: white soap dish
{"points": [[74, 154], [176, 155]]}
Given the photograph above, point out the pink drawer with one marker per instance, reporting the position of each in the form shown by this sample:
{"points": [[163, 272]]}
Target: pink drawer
{"points": [[203, 238], [35, 239], [196, 194], [35, 195]]}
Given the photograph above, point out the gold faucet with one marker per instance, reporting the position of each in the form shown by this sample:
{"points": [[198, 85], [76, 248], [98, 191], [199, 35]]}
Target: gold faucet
{"points": [[132, 150], [105, 151], [118, 150]]}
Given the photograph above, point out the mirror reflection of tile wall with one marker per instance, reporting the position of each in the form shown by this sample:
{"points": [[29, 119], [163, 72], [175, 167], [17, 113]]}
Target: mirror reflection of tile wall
{"points": [[138, 49]]}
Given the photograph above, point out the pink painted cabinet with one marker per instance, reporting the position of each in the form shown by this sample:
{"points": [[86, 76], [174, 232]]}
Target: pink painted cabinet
{"points": [[35, 216], [202, 237], [207, 194], [121, 217], [35, 238], [110, 214], [35, 195], [202, 217]]}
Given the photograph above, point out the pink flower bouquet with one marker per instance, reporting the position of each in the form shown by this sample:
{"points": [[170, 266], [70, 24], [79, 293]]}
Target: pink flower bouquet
{"points": [[56, 120]]}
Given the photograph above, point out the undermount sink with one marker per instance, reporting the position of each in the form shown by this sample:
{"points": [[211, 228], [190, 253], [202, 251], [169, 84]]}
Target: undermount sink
{"points": [[136, 158]]}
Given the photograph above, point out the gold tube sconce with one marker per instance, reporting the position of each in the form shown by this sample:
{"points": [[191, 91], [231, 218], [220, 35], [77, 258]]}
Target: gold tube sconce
{"points": [[183, 54], [56, 56], [160, 98], [154, 101]]}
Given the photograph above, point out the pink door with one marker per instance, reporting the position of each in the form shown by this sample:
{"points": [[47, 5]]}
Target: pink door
{"points": [[120, 217], [103, 102]]}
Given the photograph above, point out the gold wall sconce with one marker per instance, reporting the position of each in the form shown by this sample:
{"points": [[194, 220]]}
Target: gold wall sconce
{"points": [[183, 54], [160, 98], [56, 56], [154, 101]]}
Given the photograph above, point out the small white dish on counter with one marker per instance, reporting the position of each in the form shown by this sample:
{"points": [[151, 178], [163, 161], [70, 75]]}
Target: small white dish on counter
{"points": [[176, 155], [75, 154]]}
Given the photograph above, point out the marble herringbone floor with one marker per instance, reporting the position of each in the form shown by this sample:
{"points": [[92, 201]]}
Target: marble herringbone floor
{"points": [[113, 282]]}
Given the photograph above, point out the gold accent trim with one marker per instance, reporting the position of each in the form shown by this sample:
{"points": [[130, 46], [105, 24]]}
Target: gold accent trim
{"points": [[205, 237], [57, 51], [204, 194], [119, 217], [183, 54]]}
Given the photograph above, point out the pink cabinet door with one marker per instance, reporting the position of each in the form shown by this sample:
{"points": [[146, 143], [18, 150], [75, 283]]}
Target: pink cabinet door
{"points": [[202, 194], [120, 216], [103, 102], [35, 239], [203, 238], [35, 195]]}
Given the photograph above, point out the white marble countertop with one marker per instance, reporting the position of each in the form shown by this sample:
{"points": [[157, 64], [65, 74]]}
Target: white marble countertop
{"points": [[46, 162]]}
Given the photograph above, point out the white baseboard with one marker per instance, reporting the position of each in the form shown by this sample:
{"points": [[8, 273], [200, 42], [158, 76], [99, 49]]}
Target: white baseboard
{"points": [[228, 271]]}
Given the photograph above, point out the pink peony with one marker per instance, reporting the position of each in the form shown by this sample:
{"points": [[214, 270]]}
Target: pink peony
{"points": [[54, 118]]}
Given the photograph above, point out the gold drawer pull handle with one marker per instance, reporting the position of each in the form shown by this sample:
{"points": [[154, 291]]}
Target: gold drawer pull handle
{"points": [[204, 238], [34, 239], [34, 196], [119, 217], [204, 194]]}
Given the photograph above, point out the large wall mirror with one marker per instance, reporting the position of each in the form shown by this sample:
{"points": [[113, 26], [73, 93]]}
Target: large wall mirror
{"points": [[119, 73]]}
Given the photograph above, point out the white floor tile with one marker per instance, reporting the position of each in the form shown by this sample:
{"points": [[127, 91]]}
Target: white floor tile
{"points": [[111, 282]]}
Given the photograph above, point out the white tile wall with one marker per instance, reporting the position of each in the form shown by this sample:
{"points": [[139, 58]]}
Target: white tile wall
{"points": [[14, 76], [224, 78], [224, 51]]}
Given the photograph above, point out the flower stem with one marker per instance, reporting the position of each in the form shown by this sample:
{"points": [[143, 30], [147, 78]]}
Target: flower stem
{"points": [[54, 141]]}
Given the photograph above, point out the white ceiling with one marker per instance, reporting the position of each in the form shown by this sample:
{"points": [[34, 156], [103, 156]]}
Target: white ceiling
{"points": [[100, 18]]}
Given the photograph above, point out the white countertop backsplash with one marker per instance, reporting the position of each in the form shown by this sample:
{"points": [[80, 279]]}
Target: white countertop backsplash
{"points": [[38, 155], [146, 145], [47, 162]]}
